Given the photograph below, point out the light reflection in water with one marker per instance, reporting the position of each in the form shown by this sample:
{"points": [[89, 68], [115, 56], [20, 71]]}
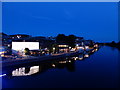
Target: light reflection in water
{"points": [[39, 68], [96, 49], [2, 75], [86, 55], [53, 65], [21, 71], [65, 61], [93, 50], [80, 58]]}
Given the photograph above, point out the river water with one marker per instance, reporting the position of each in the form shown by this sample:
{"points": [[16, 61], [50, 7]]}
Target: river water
{"points": [[94, 70]]}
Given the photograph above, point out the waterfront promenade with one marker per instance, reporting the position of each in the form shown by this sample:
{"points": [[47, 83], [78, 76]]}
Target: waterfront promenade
{"points": [[11, 62], [32, 59]]}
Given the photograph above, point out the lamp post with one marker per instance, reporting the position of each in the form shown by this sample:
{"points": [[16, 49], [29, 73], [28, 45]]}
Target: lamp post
{"points": [[53, 49], [69, 49]]}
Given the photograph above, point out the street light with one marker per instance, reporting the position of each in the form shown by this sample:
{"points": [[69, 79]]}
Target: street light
{"points": [[53, 49], [69, 47]]}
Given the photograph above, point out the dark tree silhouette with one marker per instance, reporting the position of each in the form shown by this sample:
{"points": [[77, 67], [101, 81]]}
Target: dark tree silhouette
{"points": [[113, 42], [61, 38], [118, 43], [71, 40], [27, 51]]}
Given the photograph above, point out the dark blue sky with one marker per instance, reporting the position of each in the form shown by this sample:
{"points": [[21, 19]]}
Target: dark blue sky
{"points": [[91, 20]]}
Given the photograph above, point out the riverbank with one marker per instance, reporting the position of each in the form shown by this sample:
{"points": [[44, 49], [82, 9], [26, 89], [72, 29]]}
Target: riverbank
{"points": [[32, 59], [100, 70], [37, 59], [113, 44]]}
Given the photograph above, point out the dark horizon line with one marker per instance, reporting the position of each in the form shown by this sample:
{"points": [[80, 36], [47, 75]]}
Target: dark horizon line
{"points": [[58, 34]]}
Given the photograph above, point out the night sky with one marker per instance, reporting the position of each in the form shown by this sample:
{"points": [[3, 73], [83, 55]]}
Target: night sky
{"points": [[92, 20]]}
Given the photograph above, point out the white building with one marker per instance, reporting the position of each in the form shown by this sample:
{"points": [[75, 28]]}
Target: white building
{"points": [[20, 46]]}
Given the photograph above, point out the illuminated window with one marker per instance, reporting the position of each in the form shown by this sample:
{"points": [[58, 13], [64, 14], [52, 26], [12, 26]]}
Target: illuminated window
{"points": [[62, 45]]}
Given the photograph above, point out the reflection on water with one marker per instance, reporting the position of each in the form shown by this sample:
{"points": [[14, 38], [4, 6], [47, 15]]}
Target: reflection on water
{"points": [[2, 75], [67, 62], [25, 71], [96, 71], [22, 71], [86, 55]]}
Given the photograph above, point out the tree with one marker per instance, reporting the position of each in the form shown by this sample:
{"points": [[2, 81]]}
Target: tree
{"points": [[61, 38], [113, 42], [71, 40], [118, 43], [27, 51]]}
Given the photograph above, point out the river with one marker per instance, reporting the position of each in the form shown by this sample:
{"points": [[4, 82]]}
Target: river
{"points": [[96, 70]]}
